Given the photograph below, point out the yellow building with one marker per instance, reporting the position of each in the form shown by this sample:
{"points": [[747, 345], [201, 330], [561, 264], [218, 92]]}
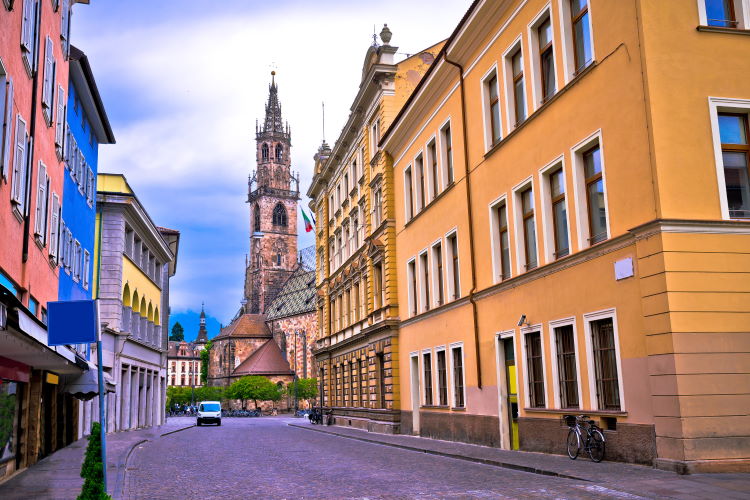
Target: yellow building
{"points": [[352, 193], [571, 212]]}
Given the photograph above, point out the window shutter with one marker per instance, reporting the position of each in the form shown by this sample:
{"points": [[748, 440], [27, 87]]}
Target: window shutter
{"points": [[6, 138], [19, 161], [26, 25], [54, 228], [49, 77], [60, 121], [40, 201], [90, 187], [65, 26]]}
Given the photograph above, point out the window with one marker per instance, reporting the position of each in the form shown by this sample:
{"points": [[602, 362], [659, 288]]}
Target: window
{"points": [[54, 228], [437, 271], [411, 271], [374, 137], [331, 255], [457, 359], [264, 152], [6, 121], [65, 27], [48, 85], [419, 171], [566, 366], [363, 382], [519, 92], [579, 16], [447, 151], [29, 35], [279, 215], [526, 198], [76, 264], [493, 107], [18, 189], [721, 13], [559, 213], [86, 268], [377, 207], [735, 153], [33, 306], [546, 59], [501, 258], [433, 172], [454, 285], [427, 370], [60, 122], [597, 211], [535, 369], [279, 152], [377, 285], [40, 220], [90, 190], [424, 279], [355, 302], [442, 378], [408, 195], [605, 364], [355, 231]]}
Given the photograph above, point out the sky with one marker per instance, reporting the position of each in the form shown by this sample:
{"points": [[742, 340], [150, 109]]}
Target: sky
{"points": [[183, 83]]}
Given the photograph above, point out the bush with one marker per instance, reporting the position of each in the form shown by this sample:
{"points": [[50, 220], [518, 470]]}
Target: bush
{"points": [[92, 470]]}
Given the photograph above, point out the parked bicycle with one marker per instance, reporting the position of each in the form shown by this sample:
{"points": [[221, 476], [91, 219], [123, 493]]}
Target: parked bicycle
{"points": [[316, 416], [584, 433]]}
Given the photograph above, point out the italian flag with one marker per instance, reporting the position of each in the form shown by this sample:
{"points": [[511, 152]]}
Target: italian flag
{"points": [[308, 222]]}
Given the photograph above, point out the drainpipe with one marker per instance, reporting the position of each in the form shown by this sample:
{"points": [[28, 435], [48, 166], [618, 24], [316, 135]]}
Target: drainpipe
{"points": [[473, 290]]}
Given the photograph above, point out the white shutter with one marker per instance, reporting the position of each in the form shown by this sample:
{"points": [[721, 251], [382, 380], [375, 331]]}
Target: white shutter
{"points": [[7, 138], [41, 196], [18, 180], [60, 122], [90, 187], [61, 243], [26, 30], [48, 86], [65, 26], [54, 228]]}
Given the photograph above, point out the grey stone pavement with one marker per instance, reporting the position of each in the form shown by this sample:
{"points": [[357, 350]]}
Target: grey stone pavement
{"points": [[58, 476], [283, 457]]}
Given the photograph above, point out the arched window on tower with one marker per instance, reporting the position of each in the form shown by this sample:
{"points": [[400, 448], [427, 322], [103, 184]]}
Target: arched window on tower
{"points": [[264, 152], [278, 259], [279, 215], [256, 219], [279, 152]]}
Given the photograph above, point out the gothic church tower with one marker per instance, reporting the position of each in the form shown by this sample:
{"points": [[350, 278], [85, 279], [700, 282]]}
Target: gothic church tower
{"points": [[273, 193]]}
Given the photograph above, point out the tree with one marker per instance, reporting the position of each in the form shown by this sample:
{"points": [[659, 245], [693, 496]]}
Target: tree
{"points": [[204, 362], [253, 387], [178, 332], [92, 470], [303, 388], [209, 393]]}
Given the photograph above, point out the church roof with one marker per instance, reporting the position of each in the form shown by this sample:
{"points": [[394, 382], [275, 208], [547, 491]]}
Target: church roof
{"points": [[246, 325], [273, 122], [298, 294], [266, 360], [173, 350]]}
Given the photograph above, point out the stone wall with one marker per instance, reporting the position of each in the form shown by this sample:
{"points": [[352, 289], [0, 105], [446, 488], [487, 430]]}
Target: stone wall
{"points": [[299, 358]]}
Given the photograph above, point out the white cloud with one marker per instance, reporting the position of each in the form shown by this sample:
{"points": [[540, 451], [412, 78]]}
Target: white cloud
{"points": [[183, 92]]}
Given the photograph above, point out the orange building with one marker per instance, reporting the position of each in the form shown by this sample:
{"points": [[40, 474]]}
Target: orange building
{"points": [[573, 236]]}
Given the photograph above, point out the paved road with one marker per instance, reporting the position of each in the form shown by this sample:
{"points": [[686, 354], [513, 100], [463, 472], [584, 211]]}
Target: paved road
{"points": [[265, 458]]}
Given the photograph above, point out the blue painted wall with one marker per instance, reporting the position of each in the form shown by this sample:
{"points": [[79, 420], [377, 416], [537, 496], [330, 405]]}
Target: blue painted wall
{"points": [[78, 214]]}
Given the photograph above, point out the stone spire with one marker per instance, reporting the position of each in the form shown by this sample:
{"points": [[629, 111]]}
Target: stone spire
{"points": [[202, 332], [273, 123]]}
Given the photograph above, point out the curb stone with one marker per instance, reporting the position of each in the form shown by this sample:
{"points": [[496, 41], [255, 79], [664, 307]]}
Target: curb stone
{"points": [[485, 461]]}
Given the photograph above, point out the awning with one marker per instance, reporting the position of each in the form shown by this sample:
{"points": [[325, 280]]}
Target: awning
{"points": [[86, 385]]}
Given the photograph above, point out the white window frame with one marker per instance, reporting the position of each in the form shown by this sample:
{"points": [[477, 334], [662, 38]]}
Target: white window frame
{"points": [[741, 12], [486, 113], [518, 226], [579, 187], [536, 71], [48, 82], [545, 194], [452, 293], [424, 287], [374, 136], [423, 397], [60, 122], [42, 204], [6, 120], [76, 264], [28, 35], [495, 244], [510, 113], [86, 269], [444, 153], [20, 167], [555, 366], [418, 189], [589, 318], [436, 388], [54, 228], [408, 193], [412, 287], [451, 385], [430, 183], [718, 105], [566, 31], [539, 327], [415, 355], [435, 272]]}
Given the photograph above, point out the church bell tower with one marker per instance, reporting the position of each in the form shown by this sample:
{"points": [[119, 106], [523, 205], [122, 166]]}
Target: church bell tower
{"points": [[273, 193]]}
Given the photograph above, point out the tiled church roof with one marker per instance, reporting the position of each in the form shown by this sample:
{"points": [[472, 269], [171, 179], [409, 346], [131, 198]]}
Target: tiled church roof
{"points": [[266, 360], [297, 296], [246, 325]]}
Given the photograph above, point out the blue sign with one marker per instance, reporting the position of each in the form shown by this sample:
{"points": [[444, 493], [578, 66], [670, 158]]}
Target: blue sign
{"points": [[72, 322]]}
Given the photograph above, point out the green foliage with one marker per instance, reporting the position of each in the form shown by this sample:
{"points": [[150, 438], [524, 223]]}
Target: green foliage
{"points": [[204, 362], [306, 388], [184, 395], [209, 393], [92, 470], [255, 388], [178, 333]]}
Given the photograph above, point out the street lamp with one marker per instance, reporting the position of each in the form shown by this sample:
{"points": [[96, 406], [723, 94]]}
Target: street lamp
{"points": [[303, 334]]}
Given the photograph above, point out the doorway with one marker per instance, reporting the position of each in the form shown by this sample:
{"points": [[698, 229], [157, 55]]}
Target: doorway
{"points": [[508, 391], [415, 391]]}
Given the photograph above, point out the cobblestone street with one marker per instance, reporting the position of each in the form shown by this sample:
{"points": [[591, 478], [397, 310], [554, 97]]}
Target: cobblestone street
{"points": [[266, 458]]}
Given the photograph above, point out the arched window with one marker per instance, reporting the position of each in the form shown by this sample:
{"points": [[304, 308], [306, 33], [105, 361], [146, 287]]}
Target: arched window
{"points": [[278, 259], [264, 151], [256, 218], [279, 152], [279, 215]]}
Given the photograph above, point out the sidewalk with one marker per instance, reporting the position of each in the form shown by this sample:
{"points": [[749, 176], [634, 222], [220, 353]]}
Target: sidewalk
{"points": [[626, 478], [58, 476]]}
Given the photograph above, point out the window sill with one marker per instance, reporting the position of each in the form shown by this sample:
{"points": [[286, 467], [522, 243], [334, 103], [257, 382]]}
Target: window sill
{"points": [[434, 407], [719, 29], [578, 411]]}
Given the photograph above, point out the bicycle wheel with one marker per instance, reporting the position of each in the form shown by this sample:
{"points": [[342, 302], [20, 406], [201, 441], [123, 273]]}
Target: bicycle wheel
{"points": [[596, 445], [573, 444]]}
